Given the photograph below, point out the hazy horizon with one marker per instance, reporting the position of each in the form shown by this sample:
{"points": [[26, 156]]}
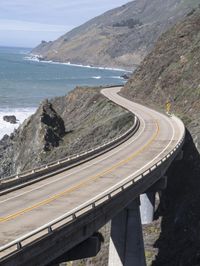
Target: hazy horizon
{"points": [[25, 24]]}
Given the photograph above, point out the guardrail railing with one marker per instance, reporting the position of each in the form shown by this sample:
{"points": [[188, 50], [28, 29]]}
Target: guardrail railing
{"points": [[44, 171], [94, 202]]}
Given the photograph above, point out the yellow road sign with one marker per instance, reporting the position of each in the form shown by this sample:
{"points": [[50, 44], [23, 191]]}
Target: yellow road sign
{"points": [[168, 107]]}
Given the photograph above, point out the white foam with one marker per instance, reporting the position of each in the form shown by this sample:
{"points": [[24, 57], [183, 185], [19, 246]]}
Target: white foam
{"points": [[97, 77], [38, 58], [20, 113], [117, 77], [31, 58]]}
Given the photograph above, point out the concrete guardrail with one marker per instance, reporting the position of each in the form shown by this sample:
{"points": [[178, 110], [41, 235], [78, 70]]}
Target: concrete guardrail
{"points": [[29, 177]]}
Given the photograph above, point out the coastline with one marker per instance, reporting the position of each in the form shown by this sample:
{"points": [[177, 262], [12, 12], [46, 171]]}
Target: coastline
{"points": [[38, 58], [22, 113]]}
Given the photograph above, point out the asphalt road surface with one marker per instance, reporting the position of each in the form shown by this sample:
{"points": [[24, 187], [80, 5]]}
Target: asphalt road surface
{"points": [[28, 208]]}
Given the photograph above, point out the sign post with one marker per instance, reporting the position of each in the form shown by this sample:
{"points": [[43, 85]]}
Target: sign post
{"points": [[168, 107]]}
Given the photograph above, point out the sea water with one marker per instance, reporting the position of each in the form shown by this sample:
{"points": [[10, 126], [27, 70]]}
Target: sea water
{"points": [[25, 82]]}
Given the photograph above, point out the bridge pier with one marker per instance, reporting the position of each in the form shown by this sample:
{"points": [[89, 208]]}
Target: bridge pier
{"points": [[147, 207], [126, 242], [147, 200]]}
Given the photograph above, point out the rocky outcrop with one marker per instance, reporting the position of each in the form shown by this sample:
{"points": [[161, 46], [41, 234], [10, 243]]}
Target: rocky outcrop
{"points": [[61, 127], [126, 76], [10, 119], [121, 37], [53, 126]]}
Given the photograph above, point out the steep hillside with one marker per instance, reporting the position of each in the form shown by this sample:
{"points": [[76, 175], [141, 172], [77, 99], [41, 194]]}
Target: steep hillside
{"points": [[171, 71], [61, 127], [119, 38]]}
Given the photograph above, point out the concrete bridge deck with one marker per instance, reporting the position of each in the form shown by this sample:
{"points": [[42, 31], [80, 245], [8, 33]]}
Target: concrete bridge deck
{"points": [[29, 208]]}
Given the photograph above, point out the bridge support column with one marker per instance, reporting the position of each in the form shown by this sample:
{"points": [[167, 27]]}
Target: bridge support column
{"points": [[147, 207], [147, 200], [126, 242]]}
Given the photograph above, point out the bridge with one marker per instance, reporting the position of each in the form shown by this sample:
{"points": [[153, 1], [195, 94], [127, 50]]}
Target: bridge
{"points": [[51, 214]]}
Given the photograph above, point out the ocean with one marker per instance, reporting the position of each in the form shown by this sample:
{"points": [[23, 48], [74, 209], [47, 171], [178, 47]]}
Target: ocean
{"points": [[25, 82]]}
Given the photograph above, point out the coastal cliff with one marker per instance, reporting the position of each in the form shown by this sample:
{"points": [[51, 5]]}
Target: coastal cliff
{"points": [[85, 118], [61, 127], [120, 38]]}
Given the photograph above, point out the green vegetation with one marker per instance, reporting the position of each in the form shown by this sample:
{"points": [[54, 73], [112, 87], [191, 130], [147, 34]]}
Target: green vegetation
{"points": [[130, 23]]}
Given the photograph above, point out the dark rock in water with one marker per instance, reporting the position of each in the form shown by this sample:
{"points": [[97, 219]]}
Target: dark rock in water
{"points": [[40, 58], [126, 76], [10, 119]]}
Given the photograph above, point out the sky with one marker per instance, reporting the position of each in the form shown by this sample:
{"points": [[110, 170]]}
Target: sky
{"points": [[25, 23]]}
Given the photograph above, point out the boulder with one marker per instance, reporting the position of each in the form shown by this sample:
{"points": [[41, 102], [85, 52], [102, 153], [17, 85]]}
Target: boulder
{"points": [[126, 76], [10, 119]]}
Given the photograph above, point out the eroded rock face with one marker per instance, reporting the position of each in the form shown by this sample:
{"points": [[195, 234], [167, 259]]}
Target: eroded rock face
{"points": [[53, 124], [10, 118], [27, 145]]}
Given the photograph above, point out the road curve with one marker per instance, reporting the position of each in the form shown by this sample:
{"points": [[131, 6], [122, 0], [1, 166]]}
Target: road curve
{"points": [[33, 206]]}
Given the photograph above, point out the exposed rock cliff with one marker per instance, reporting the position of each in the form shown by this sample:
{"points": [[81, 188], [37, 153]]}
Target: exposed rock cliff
{"points": [[61, 127], [119, 38]]}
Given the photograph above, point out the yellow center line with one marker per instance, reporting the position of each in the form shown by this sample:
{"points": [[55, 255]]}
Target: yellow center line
{"points": [[82, 183]]}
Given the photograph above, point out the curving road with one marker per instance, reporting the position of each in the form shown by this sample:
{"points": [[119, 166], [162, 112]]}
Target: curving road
{"points": [[28, 208]]}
